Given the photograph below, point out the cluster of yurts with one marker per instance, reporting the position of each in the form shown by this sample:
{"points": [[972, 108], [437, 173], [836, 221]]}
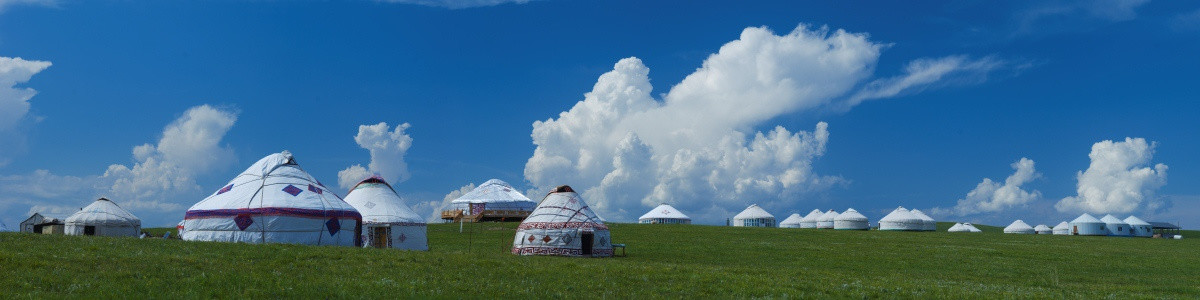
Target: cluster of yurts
{"points": [[275, 201], [899, 219], [1086, 224]]}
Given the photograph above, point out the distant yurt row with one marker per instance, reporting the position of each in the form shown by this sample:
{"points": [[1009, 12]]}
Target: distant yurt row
{"points": [[1086, 224], [902, 219], [963, 227], [848, 220]]}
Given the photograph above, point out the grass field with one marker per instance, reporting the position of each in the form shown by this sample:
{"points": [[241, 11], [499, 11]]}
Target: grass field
{"points": [[667, 261]]}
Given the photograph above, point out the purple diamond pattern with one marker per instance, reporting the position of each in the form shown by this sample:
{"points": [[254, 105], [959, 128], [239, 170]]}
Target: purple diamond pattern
{"points": [[225, 189], [333, 225], [315, 189], [291, 189], [243, 221]]}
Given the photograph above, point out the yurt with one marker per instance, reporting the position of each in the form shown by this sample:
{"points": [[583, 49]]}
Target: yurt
{"points": [[274, 201], [494, 200], [792, 221], [103, 218], [754, 216], [1019, 227], [1114, 226], [387, 221], [851, 220], [1043, 229], [971, 228], [810, 220], [1086, 224], [1139, 228], [901, 219], [563, 225], [664, 214], [927, 223], [827, 219], [1062, 229], [958, 227]]}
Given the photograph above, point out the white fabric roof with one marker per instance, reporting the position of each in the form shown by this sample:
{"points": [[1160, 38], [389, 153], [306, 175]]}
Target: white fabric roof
{"points": [[971, 227], [103, 212], [1018, 226], [1086, 218], [901, 215], [850, 215], [562, 208], [1132, 220], [813, 216], [664, 211], [378, 202], [1110, 219], [493, 191], [956, 228], [829, 216], [1062, 226], [922, 216], [753, 212], [1042, 227], [794, 219]]}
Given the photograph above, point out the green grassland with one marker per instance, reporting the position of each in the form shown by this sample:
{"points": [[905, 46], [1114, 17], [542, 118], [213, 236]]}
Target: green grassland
{"points": [[664, 261]]}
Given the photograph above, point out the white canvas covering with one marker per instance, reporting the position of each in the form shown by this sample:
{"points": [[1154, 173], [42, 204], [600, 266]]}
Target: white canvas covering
{"points": [[386, 216], [754, 216], [810, 220], [1086, 224], [901, 219], [274, 201], [494, 194], [971, 228], [1062, 229], [927, 223], [1139, 228], [1043, 229], [561, 225], [103, 218], [792, 221], [1019, 227], [958, 227], [1115, 226], [664, 214], [826, 221], [851, 220]]}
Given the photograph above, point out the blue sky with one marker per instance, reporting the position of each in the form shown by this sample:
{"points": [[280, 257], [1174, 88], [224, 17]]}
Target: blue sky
{"points": [[1043, 80]]}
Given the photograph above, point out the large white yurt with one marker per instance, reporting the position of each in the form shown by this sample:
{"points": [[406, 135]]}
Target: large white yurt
{"points": [[827, 219], [1139, 228], [851, 220], [971, 228], [927, 223], [1043, 229], [1086, 224], [274, 201], [103, 218], [754, 216], [901, 219], [494, 200], [958, 227], [1062, 229], [1019, 227], [810, 220], [1114, 226], [562, 224], [387, 221], [792, 221], [664, 214]]}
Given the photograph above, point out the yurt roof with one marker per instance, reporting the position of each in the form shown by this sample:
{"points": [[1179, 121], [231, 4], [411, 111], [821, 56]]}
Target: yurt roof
{"points": [[103, 212], [793, 219], [813, 216], [274, 182], [1110, 219], [1042, 227], [1018, 225], [971, 227], [920, 215], [664, 211], [829, 216], [1086, 218], [562, 208], [1062, 225], [850, 215], [753, 212], [1132, 220], [956, 227], [491, 191], [900, 214], [377, 202]]}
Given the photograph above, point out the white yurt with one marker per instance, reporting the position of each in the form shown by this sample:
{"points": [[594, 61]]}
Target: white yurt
{"points": [[958, 227], [810, 220], [1019, 227], [1114, 226], [1062, 229], [387, 221], [664, 214], [274, 201], [562, 224], [494, 200], [927, 223], [754, 216], [901, 219], [1139, 228], [971, 228], [827, 219], [1043, 229], [103, 218], [851, 220], [792, 221], [1086, 224]]}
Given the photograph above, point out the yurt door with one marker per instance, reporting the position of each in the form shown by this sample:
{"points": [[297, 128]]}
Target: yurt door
{"points": [[381, 237], [586, 242], [89, 230]]}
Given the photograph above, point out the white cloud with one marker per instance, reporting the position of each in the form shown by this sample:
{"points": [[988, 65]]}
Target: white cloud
{"points": [[697, 148], [1046, 17], [4, 4], [921, 73], [458, 4], [14, 101], [387, 154], [990, 196], [1119, 179]]}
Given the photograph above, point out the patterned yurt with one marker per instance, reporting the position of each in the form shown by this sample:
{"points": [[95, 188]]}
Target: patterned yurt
{"points": [[562, 224], [387, 221], [493, 200], [664, 214]]}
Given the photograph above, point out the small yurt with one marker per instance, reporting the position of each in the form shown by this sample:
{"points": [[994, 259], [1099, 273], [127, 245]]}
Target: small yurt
{"points": [[1114, 226], [103, 218], [754, 216], [562, 224], [971, 228], [664, 214], [493, 200], [827, 219], [1043, 229], [851, 220], [901, 219], [958, 227], [1139, 228], [1086, 224], [927, 223], [1062, 229], [274, 201], [810, 220], [387, 221], [792, 221], [1019, 227]]}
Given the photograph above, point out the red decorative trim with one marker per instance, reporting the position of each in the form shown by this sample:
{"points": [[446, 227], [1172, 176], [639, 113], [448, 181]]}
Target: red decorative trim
{"points": [[272, 211], [561, 225], [534, 250]]}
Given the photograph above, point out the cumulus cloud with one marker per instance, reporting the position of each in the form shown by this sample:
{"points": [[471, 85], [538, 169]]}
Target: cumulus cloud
{"points": [[14, 101], [387, 148], [1119, 179], [990, 196], [697, 148], [458, 4]]}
